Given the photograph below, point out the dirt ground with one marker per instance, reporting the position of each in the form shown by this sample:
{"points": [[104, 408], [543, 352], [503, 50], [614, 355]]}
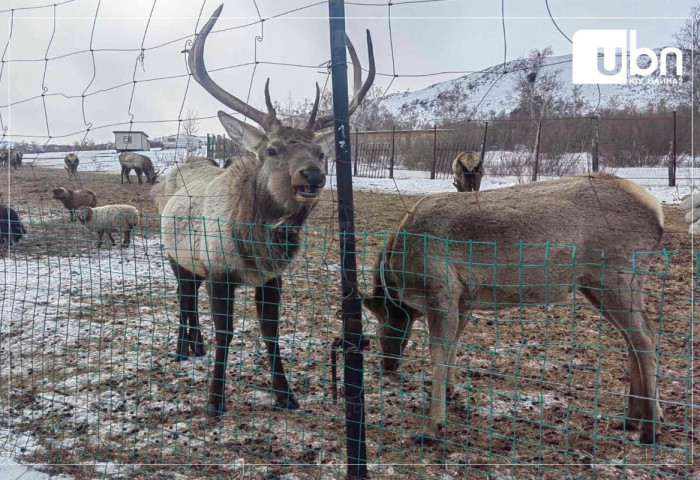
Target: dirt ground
{"points": [[539, 390]]}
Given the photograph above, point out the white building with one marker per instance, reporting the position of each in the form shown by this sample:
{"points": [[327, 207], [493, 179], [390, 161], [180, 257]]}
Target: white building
{"points": [[126, 141]]}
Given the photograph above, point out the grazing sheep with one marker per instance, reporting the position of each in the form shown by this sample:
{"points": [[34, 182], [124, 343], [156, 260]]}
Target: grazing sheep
{"points": [[468, 170], [141, 164], [11, 228], [75, 199], [72, 162], [109, 219]]}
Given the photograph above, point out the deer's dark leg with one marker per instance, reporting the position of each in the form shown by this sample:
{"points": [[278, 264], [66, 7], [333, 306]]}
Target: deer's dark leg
{"points": [[188, 286], [222, 295], [138, 175], [267, 301]]}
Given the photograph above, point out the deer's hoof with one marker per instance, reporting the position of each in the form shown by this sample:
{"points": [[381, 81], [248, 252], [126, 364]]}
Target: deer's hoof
{"points": [[627, 426], [288, 402], [427, 439], [198, 350], [424, 440], [215, 409], [647, 437], [181, 357]]}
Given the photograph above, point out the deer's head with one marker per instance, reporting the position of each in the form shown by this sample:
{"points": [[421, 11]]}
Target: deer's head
{"points": [[291, 158]]}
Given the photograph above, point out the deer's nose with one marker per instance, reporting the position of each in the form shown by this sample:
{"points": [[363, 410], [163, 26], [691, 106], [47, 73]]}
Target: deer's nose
{"points": [[313, 176]]}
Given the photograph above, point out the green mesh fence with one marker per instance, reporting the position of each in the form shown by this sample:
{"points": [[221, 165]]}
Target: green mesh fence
{"points": [[90, 385]]}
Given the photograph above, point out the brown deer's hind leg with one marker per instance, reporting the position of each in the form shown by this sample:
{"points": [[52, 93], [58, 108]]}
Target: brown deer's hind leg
{"points": [[267, 302], [623, 306], [188, 289]]}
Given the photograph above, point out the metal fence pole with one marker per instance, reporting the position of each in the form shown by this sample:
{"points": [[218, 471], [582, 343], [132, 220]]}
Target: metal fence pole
{"points": [[483, 143], [596, 145], [391, 159], [432, 169], [536, 165], [357, 139], [352, 310], [672, 164]]}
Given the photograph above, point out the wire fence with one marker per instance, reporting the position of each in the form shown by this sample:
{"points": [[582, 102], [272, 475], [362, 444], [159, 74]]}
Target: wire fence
{"points": [[93, 376], [654, 151], [91, 386]]}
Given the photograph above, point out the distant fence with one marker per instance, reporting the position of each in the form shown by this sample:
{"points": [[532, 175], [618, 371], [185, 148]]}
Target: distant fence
{"points": [[657, 148], [89, 385]]}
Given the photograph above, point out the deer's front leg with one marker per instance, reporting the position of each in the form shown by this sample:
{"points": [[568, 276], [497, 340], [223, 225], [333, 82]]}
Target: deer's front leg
{"points": [[222, 295], [267, 301]]}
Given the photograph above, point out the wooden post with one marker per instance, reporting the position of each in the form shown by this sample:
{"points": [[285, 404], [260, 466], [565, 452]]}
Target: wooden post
{"points": [[432, 169], [536, 165], [672, 163], [483, 144], [596, 145], [393, 147]]}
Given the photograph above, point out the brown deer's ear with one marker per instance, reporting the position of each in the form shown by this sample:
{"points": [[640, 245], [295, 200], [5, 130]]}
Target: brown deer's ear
{"points": [[247, 136]]}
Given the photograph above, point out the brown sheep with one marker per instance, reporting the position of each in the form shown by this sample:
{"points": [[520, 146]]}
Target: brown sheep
{"points": [[468, 170], [75, 199]]}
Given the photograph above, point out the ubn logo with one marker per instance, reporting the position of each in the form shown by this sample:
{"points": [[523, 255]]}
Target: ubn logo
{"points": [[589, 44]]}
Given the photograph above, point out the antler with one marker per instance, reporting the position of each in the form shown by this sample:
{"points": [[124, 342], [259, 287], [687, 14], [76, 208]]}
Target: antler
{"points": [[359, 91], [195, 62], [314, 110]]}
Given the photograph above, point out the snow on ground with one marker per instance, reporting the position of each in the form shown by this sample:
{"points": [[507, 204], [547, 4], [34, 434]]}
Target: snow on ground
{"points": [[413, 182]]}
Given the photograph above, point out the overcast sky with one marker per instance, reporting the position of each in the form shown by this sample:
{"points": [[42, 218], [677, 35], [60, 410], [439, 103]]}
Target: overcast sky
{"points": [[428, 37]]}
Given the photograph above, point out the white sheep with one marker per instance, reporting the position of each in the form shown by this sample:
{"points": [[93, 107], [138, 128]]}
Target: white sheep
{"points": [[691, 205], [109, 219]]}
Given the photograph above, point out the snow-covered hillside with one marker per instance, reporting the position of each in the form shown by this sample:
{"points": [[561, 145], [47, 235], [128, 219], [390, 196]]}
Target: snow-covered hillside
{"points": [[491, 91]]}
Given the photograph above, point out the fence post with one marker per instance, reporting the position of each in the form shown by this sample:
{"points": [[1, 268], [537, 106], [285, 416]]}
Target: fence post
{"points": [[357, 139], [672, 163], [595, 152], [536, 165], [432, 169], [352, 341], [393, 145], [483, 143]]}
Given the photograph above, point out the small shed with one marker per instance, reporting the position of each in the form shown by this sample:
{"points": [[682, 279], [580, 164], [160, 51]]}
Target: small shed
{"points": [[127, 141]]}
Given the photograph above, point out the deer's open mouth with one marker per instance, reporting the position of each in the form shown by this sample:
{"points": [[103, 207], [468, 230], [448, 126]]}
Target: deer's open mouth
{"points": [[306, 192]]}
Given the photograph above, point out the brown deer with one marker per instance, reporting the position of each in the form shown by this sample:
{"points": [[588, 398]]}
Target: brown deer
{"points": [[491, 236], [468, 170], [241, 224], [141, 164]]}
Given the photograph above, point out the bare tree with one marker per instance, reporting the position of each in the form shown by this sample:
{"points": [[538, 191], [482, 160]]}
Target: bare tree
{"points": [[190, 127], [688, 38]]}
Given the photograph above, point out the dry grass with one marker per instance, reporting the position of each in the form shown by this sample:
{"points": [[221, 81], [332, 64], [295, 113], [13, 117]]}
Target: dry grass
{"points": [[102, 385]]}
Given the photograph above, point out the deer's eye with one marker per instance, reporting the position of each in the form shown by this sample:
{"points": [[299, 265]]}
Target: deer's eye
{"points": [[270, 152], [321, 156]]}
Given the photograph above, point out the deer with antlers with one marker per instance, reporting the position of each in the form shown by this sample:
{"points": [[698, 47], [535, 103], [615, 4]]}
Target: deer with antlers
{"points": [[241, 224]]}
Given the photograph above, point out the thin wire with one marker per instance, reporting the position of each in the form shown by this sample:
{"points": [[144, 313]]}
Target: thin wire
{"points": [[551, 17]]}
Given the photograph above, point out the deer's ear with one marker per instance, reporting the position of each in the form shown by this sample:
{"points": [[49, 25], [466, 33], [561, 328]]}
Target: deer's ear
{"points": [[245, 135]]}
